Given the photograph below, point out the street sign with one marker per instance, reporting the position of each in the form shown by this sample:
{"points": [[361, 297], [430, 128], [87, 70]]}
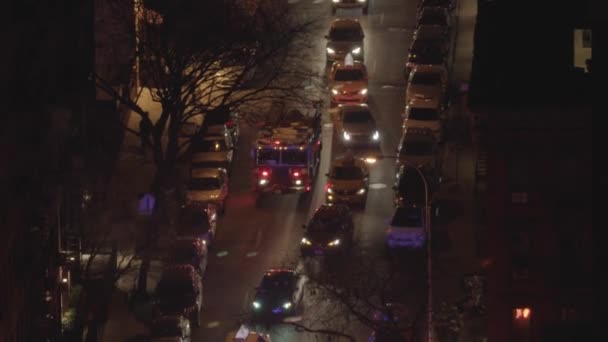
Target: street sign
{"points": [[146, 204]]}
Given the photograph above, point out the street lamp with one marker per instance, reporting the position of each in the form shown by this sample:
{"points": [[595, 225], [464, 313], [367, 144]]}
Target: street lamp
{"points": [[427, 227]]}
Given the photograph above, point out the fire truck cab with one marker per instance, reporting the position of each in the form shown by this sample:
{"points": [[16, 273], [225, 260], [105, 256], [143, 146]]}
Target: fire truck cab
{"points": [[287, 154]]}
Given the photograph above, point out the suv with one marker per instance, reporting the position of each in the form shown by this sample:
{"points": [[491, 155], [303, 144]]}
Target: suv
{"points": [[347, 181], [345, 36], [356, 126], [214, 149], [423, 114], [330, 230], [198, 221], [348, 82], [180, 292], [189, 251], [208, 186], [418, 148], [335, 4]]}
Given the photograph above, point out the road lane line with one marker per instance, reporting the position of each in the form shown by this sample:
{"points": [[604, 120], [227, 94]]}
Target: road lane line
{"points": [[213, 324]]}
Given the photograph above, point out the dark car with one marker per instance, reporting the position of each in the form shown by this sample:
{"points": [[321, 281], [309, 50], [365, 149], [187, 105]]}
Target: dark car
{"points": [[189, 251], [421, 52], [180, 292], [280, 293], [197, 221], [409, 187], [330, 230], [224, 115]]}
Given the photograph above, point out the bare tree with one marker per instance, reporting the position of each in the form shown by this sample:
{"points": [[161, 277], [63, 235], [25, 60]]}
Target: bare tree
{"points": [[195, 55]]}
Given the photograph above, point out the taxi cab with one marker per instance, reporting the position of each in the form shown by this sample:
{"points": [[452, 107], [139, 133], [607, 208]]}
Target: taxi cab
{"points": [[348, 82], [208, 186], [246, 335], [347, 181]]}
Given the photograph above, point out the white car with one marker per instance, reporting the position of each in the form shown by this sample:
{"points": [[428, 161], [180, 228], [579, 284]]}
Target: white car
{"points": [[208, 185], [427, 82], [406, 228], [423, 114]]}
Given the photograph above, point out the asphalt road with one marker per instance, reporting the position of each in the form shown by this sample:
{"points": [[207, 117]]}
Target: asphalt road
{"points": [[252, 239]]}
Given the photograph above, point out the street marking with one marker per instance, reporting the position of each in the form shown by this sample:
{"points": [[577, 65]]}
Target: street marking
{"points": [[328, 125], [389, 86], [222, 254], [213, 324], [292, 319], [251, 254], [377, 186]]}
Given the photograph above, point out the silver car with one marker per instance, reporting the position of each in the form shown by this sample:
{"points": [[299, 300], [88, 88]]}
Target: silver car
{"points": [[345, 36], [356, 126]]}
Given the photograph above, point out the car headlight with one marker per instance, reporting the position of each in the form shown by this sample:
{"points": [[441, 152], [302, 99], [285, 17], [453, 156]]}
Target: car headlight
{"points": [[305, 241], [330, 191], [256, 305], [346, 136], [330, 51], [361, 191], [376, 135], [356, 50], [363, 91], [361, 0], [286, 305], [263, 181], [334, 243], [334, 91]]}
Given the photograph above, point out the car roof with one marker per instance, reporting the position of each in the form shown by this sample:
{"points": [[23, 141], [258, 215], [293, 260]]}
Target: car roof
{"points": [[205, 172], [345, 23], [418, 134], [345, 161], [329, 211]]}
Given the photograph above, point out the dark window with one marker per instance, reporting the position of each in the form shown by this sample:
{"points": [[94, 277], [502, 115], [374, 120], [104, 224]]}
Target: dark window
{"points": [[416, 148], [208, 183], [294, 157], [268, 156], [423, 114], [347, 173], [360, 116], [348, 34], [349, 75], [426, 78], [433, 18]]}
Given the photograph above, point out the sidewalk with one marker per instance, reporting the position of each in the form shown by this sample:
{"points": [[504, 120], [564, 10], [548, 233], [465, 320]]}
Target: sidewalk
{"points": [[456, 249]]}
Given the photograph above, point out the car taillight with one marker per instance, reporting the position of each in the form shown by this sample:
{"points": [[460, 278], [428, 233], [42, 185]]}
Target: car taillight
{"points": [[230, 123], [264, 172], [298, 172]]}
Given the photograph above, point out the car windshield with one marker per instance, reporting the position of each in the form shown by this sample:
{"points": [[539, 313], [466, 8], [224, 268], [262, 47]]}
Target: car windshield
{"points": [[268, 156], [210, 145], [175, 287], [347, 173], [426, 78], [433, 18], [348, 34], [416, 148], [359, 116], [407, 217], [423, 114], [205, 183], [294, 157], [346, 75], [277, 282]]}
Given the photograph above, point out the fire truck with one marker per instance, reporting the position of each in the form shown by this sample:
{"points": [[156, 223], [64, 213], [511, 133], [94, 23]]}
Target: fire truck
{"points": [[287, 152]]}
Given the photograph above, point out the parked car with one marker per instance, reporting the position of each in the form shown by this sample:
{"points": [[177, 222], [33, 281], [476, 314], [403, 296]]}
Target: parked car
{"points": [[418, 148], [345, 36], [348, 82], [434, 16], [189, 251], [356, 126], [408, 189], [425, 53], [329, 231], [227, 117], [172, 326], [208, 185], [424, 114], [363, 4], [427, 82], [279, 294], [406, 228], [180, 292], [197, 221], [214, 149]]}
